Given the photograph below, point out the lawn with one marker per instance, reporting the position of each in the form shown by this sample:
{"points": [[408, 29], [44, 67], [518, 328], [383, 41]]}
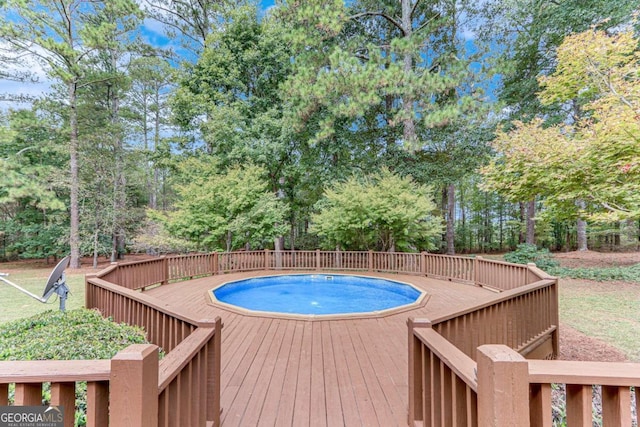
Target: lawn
{"points": [[609, 311], [33, 277]]}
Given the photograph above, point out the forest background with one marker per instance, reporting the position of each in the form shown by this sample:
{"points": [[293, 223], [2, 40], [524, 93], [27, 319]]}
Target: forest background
{"points": [[452, 126]]}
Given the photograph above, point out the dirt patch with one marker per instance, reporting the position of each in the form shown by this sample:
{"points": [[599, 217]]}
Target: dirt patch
{"points": [[575, 345], [579, 259]]}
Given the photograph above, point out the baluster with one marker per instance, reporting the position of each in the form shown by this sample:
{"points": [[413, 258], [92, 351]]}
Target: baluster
{"points": [[579, 398], [540, 405], [616, 404]]}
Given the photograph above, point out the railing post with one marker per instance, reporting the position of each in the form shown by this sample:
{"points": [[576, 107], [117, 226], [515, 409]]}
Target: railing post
{"points": [[370, 260], [267, 260], [88, 290], [554, 308], [477, 267], [133, 394], [214, 352], [165, 270], [416, 386], [214, 262], [318, 260], [503, 387], [97, 403], [28, 394], [423, 263]]}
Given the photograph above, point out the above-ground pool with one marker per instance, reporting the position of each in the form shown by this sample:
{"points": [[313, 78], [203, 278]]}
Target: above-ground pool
{"points": [[317, 294]]}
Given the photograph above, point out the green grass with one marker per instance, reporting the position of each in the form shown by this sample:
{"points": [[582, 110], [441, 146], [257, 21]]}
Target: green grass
{"points": [[608, 311], [15, 304]]}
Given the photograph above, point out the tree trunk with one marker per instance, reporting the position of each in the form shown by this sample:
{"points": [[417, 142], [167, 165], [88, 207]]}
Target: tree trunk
{"points": [[120, 181], [95, 246], [581, 227], [156, 142], [229, 240], [521, 234], [409, 127], [451, 204], [278, 244], [74, 226], [531, 225]]}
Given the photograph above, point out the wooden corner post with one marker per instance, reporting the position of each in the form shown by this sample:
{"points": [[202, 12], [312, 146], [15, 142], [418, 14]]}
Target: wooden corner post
{"points": [[214, 356], [416, 372], [165, 270], [503, 387], [133, 393]]}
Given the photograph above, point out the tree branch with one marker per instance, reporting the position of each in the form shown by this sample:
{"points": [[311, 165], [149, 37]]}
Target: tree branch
{"points": [[383, 15]]}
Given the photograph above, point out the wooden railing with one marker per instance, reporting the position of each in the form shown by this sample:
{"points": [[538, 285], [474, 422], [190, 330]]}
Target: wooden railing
{"points": [[135, 388], [524, 318], [29, 376], [442, 380], [503, 389], [163, 327], [186, 383], [497, 275]]}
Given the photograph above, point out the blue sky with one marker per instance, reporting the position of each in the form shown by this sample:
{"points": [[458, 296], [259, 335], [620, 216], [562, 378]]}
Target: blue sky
{"points": [[151, 32], [265, 4]]}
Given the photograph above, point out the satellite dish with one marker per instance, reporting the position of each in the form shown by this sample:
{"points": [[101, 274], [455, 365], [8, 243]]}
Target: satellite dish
{"points": [[57, 275], [55, 284]]}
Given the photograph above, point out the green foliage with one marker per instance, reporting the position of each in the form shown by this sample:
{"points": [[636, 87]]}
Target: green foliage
{"points": [[596, 158], [74, 334], [224, 210], [530, 32], [383, 211], [353, 63], [627, 274], [154, 239], [526, 253]]}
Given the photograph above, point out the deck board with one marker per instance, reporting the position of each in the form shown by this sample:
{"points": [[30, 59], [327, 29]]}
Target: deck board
{"points": [[288, 372]]}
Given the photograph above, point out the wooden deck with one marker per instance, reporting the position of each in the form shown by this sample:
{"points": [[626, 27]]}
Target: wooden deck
{"points": [[281, 372]]}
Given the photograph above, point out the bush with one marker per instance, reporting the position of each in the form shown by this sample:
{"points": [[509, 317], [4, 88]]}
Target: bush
{"points": [[628, 274], [526, 253], [57, 335], [70, 335]]}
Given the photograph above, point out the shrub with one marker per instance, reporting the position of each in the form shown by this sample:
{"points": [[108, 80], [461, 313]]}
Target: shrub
{"points": [[526, 253], [57, 335], [603, 274], [70, 335]]}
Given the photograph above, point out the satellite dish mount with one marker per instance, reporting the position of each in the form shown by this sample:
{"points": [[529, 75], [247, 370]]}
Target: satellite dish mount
{"points": [[56, 284]]}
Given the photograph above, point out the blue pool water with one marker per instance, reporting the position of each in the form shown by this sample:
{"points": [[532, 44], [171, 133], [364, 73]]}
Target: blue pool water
{"points": [[316, 294]]}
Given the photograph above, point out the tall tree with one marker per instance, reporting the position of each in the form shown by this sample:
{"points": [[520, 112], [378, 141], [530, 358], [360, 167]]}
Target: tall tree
{"points": [[232, 97], [32, 192], [595, 159], [62, 35], [343, 69], [530, 32], [151, 79]]}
